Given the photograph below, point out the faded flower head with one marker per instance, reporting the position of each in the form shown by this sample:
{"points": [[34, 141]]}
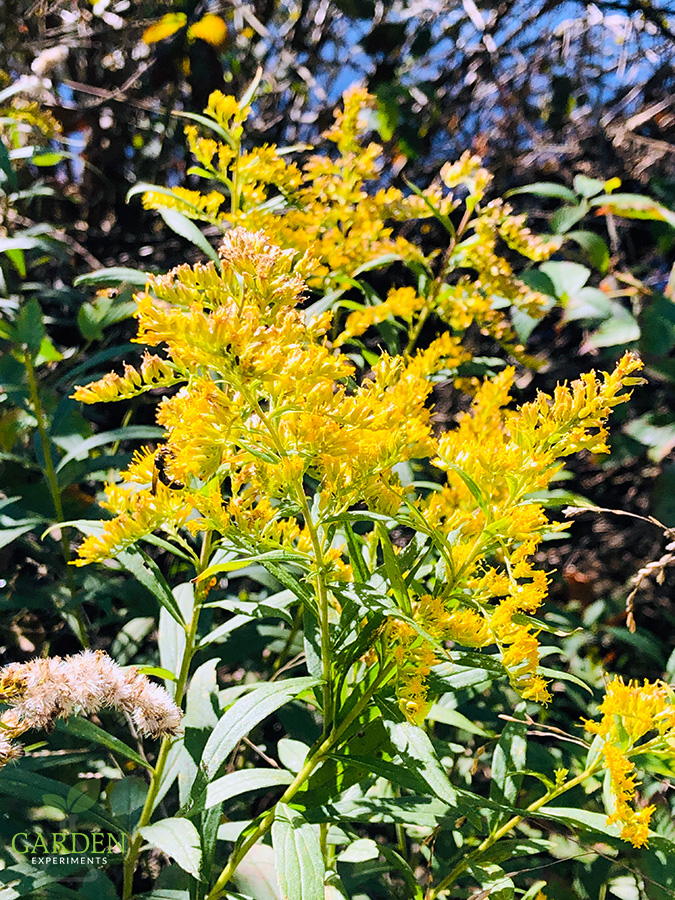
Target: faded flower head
{"points": [[43, 690]]}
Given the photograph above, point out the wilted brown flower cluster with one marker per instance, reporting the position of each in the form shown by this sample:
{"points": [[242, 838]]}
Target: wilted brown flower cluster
{"points": [[43, 690]]}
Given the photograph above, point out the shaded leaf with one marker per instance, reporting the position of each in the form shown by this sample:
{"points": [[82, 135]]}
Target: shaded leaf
{"points": [[179, 839]]}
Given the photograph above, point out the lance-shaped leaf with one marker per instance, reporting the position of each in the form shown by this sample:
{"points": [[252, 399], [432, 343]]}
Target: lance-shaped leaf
{"points": [[298, 857]]}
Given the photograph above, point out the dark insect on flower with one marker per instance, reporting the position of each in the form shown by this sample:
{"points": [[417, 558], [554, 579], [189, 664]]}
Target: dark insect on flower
{"points": [[162, 457]]}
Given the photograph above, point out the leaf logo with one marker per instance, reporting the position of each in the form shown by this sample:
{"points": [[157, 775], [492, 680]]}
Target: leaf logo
{"points": [[79, 798]]}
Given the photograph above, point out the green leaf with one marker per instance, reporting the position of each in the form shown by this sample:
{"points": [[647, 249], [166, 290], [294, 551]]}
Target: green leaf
{"points": [[508, 761], [202, 695], [233, 564], [211, 124], [242, 782], [466, 670], [400, 865], [187, 229], [523, 323], [30, 787], [172, 632], [644, 644], [376, 263], [7, 168], [660, 438], [621, 329], [179, 839], [448, 716], [475, 491], [157, 671], [112, 277], [588, 187], [298, 857], [30, 329], [47, 353], [250, 92], [146, 571], [657, 324], [594, 246], [18, 259], [52, 158], [355, 554], [566, 217], [545, 189], [415, 750], [127, 799], [169, 894], [435, 212], [244, 715], [589, 303], [420, 811], [256, 875], [533, 892], [495, 882], [391, 566], [87, 731], [580, 817], [81, 797], [360, 850], [128, 433], [7, 535], [634, 206], [568, 278], [292, 754]]}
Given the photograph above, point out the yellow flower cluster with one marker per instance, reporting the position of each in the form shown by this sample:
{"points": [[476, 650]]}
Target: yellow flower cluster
{"points": [[495, 459], [414, 651], [629, 713], [331, 206], [264, 402], [153, 373], [403, 303]]}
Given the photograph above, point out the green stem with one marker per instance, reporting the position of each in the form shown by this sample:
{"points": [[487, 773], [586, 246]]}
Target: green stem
{"points": [[322, 595], [497, 835], [437, 283], [158, 771], [52, 482], [285, 650], [311, 763], [417, 330]]}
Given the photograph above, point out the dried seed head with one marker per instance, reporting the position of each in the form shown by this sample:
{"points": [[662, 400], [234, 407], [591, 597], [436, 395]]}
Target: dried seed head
{"points": [[43, 690]]}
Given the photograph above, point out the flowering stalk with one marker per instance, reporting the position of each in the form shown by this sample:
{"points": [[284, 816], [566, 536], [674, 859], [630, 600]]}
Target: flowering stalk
{"points": [[629, 713]]}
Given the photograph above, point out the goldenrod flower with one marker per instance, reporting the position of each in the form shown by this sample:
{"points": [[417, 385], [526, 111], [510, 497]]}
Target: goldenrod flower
{"points": [[330, 205], [629, 713]]}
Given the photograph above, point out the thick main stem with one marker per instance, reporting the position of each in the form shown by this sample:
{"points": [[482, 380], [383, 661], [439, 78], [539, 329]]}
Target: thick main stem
{"points": [[160, 764]]}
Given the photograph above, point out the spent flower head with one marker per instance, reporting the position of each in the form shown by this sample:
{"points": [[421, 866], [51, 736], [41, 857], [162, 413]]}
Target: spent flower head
{"points": [[43, 690]]}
